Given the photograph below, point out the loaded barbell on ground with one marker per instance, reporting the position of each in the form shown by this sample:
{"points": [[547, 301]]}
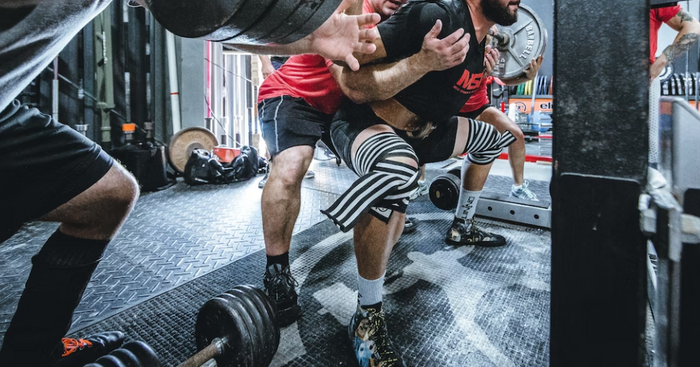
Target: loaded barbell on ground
{"points": [[235, 328]]}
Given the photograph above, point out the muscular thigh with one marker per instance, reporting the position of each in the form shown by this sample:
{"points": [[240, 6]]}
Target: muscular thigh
{"points": [[289, 122], [498, 119], [43, 164]]}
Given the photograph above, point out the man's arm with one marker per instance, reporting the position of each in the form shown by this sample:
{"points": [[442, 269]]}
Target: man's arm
{"points": [[266, 66], [336, 39], [382, 81], [688, 32]]}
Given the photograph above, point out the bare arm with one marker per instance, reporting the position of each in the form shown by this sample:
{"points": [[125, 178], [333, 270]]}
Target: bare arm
{"points": [[336, 39], [382, 81], [688, 32], [266, 66]]}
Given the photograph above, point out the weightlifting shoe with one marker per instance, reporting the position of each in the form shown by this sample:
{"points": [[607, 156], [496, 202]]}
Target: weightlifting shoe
{"points": [[523, 192], [370, 339], [79, 352], [280, 287], [465, 232]]}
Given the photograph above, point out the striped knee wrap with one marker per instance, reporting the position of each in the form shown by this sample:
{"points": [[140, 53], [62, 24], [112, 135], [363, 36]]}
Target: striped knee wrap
{"points": [[384, 184], [485, 142]]}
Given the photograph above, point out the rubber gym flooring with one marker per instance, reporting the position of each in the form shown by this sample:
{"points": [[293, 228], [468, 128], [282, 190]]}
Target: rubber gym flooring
{"points": [[181, 246]]}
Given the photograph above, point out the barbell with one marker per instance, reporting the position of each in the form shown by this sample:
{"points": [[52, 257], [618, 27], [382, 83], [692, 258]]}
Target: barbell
{"points": [[518, 44], [235, 328]]}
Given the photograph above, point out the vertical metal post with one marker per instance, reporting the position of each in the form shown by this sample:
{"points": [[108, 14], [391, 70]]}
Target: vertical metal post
{"points": [[600, 162], [104, 77]]}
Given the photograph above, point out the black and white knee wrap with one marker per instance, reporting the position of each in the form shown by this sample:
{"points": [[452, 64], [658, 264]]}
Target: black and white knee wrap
{"points": [[485, 142], [384, 184]]}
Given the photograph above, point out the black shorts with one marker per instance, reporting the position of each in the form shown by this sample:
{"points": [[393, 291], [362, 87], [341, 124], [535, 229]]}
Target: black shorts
{"points": [[289, 121], [474, 114], [352, 119], [43, 164]]}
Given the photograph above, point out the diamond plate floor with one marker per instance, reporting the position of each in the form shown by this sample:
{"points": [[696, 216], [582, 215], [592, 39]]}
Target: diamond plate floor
{"points": [[172, 237]]}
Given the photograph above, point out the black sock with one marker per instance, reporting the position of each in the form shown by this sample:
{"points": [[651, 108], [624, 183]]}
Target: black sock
{"points": [[278, 259], [60, 273]]}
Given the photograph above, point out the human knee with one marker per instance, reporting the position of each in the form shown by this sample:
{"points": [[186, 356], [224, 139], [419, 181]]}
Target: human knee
{"points": [[120, 192], [290, 166], [486, 143]]}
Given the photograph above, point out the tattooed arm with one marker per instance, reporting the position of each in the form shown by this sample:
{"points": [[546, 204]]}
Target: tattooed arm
{"points": [[688, 33]]}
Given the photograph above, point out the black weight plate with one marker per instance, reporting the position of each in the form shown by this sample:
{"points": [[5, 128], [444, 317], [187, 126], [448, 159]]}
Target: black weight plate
{"points": [[273, 330], [264, 323], [109, 361], [217, 319], [276, 17], [255, 325], [444, 190], [247, 15], [145, 354], [254, 355], [193, 19], [322, 10], [128, 358]]}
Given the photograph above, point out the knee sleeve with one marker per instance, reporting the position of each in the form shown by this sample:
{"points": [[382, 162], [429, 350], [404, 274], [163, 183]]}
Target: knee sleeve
{"points": [[485, 143], [384, 184]]}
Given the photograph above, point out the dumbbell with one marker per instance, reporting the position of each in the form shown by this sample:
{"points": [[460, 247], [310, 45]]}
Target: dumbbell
{"points": [[235, 328], [445, 188]]}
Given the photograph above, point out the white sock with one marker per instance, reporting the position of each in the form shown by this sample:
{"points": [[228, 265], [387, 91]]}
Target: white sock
{"points": [[517, 186], [370, 291], [467, 204]]}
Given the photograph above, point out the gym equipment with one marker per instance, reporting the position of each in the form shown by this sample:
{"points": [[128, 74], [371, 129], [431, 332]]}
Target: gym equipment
{"points": [[239, 21], [185, 141], [518, 44], [236, 328], [131, 354], [444, 194]]}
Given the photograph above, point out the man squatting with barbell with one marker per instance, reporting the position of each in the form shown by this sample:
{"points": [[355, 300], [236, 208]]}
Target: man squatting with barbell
{"points": [[52, 173], [386, 140]]}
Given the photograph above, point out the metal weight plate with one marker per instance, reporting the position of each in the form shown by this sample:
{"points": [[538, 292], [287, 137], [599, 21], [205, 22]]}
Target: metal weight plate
{"points": [[264, 316], [302, 13], [281, 18], [194, 19], [185, 141], [145, 354], [218, 319], [256, 355], [323, 10], [522, 42], [445, 188], [666, 73], [234, 29], [255, 324]]}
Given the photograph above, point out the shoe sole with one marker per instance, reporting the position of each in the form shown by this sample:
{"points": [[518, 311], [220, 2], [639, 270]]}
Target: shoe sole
{"points": [[479, 244], [288, 316]]}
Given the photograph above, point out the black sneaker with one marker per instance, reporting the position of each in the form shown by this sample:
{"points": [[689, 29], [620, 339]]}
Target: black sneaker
{"points": [[465, 232], [280, 289], [79, 352], [370, 339], [410, 225]]}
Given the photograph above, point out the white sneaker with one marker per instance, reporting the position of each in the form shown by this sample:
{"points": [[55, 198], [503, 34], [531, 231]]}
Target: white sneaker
{"points": [[523, 192]]}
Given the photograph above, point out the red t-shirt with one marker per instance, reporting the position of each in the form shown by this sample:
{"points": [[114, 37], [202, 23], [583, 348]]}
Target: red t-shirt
{"points": [[479, 98], [307, 77], [656, 18]]}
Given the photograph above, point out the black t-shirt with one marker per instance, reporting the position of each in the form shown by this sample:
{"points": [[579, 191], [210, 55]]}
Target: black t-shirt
{"points": [[438, 95]]}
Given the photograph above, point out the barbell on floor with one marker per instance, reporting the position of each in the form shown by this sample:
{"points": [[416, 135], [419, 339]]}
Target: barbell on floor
{"points": [[235, 328]]}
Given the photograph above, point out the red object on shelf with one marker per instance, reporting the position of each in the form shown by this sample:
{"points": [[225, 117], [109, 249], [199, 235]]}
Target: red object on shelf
{"points": [[529, 158], [503, 107], [226, 154]]}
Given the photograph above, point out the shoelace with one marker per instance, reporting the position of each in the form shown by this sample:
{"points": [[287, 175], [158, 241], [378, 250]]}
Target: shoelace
{"points": [[279, 282], [70, 346]]}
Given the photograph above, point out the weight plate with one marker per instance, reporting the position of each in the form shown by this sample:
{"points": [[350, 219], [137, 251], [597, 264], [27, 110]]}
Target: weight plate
{"points": [[110, 361], [185, 141], [128, 358], [234, 29], [265, 309], [666, 73], [145, 354], [322, 10], [277, 17], [445, 188], [524, 40], [194, 19], [254, 323], [216, 319]]}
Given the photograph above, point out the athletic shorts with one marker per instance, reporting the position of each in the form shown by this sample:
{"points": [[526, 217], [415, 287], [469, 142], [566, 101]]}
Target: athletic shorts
{"points": [[474, 114], [352, 119], [43, 164], [289, 121]]}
